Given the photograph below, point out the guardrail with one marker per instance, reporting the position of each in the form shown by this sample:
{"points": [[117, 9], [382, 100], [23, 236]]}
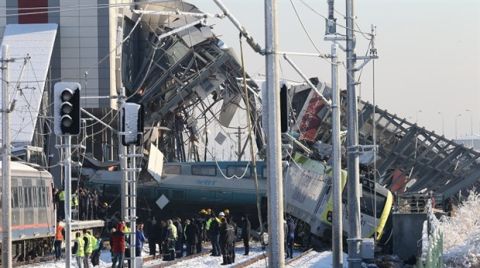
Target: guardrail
{"points": [[432, 242]]}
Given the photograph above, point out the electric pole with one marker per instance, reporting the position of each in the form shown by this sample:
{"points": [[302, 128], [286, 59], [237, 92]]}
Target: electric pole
{"points": [[276, 254], [353, 181], [337, 225], [6, 183]]}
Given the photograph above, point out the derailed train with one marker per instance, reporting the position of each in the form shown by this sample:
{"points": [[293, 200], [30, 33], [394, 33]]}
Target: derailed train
{"points": [[191, 186], [308, 194]]}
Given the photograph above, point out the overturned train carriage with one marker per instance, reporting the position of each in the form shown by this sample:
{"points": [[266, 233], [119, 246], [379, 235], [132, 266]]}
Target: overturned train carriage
{"points": [[308, 197]]}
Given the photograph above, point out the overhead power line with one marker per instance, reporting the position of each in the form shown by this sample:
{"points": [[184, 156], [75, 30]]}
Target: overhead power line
{"points": [[58, 9]]}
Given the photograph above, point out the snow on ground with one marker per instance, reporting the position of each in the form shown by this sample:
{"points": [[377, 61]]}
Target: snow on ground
{"points": [[211, 261], [206, 261], [313, 259], [105, 261], [462, 234], [317, 260]]}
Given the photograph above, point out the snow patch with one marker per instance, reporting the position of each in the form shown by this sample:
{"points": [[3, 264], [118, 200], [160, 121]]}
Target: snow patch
{"points": [[462, 234]]}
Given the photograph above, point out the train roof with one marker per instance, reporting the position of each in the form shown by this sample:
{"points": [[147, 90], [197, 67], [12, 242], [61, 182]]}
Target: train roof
{"points": [[21, 167]]}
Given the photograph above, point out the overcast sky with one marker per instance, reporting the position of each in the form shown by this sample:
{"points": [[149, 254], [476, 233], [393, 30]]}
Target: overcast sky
{"points": [[429, 53]]}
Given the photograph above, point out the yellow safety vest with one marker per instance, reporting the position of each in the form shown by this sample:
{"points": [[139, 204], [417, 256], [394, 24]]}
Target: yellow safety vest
{"points": [[80, 246], [61, 195], [92, 242]]}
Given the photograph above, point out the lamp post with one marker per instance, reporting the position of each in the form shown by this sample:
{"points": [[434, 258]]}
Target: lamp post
{"points": [[456, 125], [416, 116], [471, 125], [443, 123]]}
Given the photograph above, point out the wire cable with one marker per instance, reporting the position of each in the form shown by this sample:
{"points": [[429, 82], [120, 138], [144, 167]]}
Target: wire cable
{"points": [[58, 9], [323, 16]]}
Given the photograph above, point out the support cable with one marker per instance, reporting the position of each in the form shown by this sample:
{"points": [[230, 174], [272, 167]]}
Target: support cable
{"points": [[250, 133]]}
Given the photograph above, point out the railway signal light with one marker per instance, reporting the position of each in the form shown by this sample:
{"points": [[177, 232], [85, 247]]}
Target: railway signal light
{"points": [[66, 108], [132, 123]]}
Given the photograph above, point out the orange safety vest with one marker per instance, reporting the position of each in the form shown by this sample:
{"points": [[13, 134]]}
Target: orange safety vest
{"points": [[58, 233]]}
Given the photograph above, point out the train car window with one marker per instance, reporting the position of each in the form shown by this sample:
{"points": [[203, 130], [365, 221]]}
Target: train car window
{"points": [[264, 173], [30, 196], [39, 196], [178, 195], [15, 203], [20, 197], [199, 170], [47, 194], [172, 169], [239, 171], [367, 203], [43, 201], [27, 197], [34, 197]]}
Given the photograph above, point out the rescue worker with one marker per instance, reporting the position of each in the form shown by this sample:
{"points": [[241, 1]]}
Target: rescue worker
{"points": [[246, 228], [61, 205], [118, 245], [90, 243], [79, 249], [171, 239], [59, 236], [213, 231], [96, 251]]}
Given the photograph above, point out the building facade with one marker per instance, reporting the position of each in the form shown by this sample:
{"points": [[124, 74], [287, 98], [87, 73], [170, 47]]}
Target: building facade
{"points": [[86, 35]]}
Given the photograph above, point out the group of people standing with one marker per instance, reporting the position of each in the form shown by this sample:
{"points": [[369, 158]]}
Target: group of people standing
{"points": [[86, 246], [119, 239], [85, 201], [173, 235]]}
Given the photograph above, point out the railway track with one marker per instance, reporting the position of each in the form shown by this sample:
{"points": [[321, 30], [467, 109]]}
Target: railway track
{"points": [[169, 263], [264, 256], [34, 261], [173, 262]]}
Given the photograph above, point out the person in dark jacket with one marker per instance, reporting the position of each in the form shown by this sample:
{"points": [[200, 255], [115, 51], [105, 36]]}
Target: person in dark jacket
{"points": [[213, 225], [223, 240], [228, 240], [246, 228], [290, 236], [151, 234], [162, 237], [199, 223], [233, 238], [118, 245], [191, 237], [180, 238]]}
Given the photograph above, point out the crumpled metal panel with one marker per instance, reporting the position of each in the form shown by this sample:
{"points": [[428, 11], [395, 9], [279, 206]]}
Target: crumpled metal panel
{"points": [[423, 159], [181, 71]]}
